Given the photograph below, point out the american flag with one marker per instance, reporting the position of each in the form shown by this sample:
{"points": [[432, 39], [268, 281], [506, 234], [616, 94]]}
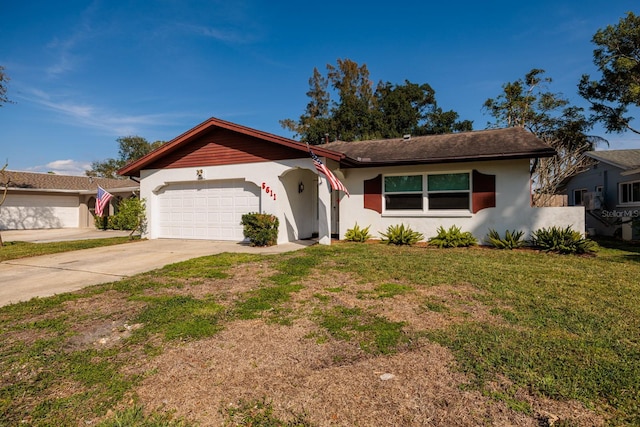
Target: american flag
{"points": [[102, 200], [320, 167]]}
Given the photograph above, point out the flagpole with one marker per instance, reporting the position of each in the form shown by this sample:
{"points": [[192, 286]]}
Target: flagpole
{"points": [[319, 177]]}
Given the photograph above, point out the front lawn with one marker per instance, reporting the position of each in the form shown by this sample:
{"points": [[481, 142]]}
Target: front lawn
{"points": [[18, 249], [351, 334]]}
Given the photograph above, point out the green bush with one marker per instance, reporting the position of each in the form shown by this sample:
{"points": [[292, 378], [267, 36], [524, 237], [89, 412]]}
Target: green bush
{"points": [[260, 229], [130, 216], [452, 238], [399, 235], [101, 222], [357, 234], [512, 239], [562, 241]]}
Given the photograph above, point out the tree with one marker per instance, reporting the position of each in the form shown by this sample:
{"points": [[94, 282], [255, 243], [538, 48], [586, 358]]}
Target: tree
{"points": [[353, 115], [526, 103], [131, 148], [618, 59], [4, 182], [3, 87], [315, 123], [402, 107], [439, 122], [358, 112], [412, 109]]}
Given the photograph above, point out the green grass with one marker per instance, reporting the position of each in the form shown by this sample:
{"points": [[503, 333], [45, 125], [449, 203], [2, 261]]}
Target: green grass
{"points": [[279, 289], [374, 334], [135, 417], [179, 317], [205, 267], [568, 327], [259, 413], [15, 250], [573, 322]]}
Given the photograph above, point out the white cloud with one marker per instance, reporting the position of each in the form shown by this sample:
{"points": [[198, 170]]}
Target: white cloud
{"points": [[63, 48], [90, 116], [63, 167], [233, 30], [226, 36]]}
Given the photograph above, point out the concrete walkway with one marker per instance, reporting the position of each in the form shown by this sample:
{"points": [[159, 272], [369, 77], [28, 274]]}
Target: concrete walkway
{"points": [[42, 276]]}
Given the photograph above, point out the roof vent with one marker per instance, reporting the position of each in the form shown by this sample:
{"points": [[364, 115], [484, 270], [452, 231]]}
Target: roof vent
{"points": [[406, 137]]}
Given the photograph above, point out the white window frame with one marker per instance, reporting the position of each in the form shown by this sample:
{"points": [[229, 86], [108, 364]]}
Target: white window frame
{"points": [[425, 211], [403, 211], [629, 191]]}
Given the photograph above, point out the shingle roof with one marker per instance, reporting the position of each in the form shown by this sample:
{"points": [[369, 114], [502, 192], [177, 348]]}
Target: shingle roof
{"points": [[510, 143], [46, 181], [467, 146], [623, 159]]}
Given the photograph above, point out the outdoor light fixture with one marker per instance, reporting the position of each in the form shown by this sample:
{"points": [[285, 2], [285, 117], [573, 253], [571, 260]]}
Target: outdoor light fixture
{"points": [[300, 187], [199, 173]]}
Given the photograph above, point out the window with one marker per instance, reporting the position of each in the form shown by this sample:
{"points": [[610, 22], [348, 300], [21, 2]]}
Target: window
{"points": [[448, 191], [403, 192], [629, 192], [578, 197]]}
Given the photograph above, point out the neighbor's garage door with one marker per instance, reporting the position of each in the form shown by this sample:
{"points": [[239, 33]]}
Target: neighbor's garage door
{"points": [[33, 211], [206, 210]]}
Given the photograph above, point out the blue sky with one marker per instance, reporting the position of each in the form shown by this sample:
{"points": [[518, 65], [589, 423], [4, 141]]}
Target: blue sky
{"points": [[84, 73]]}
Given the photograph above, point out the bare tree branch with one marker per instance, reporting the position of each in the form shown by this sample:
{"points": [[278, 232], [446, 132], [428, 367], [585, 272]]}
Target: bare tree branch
{"points": [[4, 181]]}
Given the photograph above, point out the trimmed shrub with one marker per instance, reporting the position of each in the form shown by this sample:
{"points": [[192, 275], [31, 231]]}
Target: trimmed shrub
{"points": [[101, 222], [562, 241], [401, 235], [452, 238], [512, 239], [357, 234], [130, 216], [260, 229]]}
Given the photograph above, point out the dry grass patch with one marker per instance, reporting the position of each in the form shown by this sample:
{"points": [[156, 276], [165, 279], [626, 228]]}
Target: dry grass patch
{"points": [[241, 279], [333, 383], [301, 369]]}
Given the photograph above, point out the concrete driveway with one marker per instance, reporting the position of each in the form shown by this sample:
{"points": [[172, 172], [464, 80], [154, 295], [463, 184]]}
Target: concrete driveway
{"points": [[42, 276]]}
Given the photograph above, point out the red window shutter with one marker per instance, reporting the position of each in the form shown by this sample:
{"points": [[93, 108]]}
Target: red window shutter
{"points": [[373, 194], [484, 191]]}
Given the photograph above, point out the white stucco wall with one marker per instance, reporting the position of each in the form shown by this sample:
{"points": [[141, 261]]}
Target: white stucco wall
{"points": [[303, 213], [38, 210], [512, 209], [297, 212]]}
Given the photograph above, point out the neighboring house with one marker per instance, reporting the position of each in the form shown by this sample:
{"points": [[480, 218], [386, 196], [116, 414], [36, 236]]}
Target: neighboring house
{"points": [[610, 192], [198, 185], [41, 200]]}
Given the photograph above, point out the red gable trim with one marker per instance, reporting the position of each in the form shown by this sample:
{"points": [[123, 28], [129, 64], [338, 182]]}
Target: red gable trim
{"points": [[134, 168]]}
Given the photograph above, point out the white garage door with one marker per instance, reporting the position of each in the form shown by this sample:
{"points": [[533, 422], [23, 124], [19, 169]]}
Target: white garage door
{"points": [[21, 211], [206, 210]]}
